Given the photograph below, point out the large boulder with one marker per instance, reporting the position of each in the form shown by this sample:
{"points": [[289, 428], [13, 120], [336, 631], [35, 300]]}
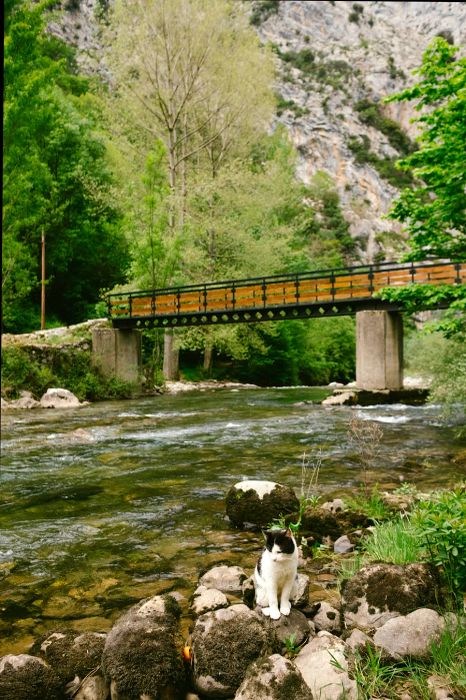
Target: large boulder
{"points": [[59, 398], [410, 636], [224, 643], [380, 592], [26, 677], [141, 657], [324, 667], [228, 579], [274, 678], [259, 502], [70, 653]]}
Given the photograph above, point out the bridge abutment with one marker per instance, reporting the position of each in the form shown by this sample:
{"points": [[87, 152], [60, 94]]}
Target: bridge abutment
{"points": [[118, 353], [379, 350]]}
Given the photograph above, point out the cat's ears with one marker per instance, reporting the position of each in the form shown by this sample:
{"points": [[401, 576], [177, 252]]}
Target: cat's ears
{"points": [[288, 532]]}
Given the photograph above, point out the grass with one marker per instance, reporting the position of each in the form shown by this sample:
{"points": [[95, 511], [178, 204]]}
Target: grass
{"points": [[376, 678], [395, 542]]}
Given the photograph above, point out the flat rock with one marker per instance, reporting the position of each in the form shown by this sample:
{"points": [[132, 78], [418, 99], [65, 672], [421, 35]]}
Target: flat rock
{"points": [[227, 579], [207, 599]]}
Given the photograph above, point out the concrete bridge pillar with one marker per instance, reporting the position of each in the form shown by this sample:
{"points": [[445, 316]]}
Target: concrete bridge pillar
{"points": [[379, 350], [118, 353]]}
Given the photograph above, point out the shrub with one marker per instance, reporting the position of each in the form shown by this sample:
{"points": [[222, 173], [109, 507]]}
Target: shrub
{"points": [[71, 370], [441, 522]]}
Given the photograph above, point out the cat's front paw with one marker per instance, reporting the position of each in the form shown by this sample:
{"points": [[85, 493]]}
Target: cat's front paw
{"points": [[285, 608], [274, 614], [266, 612]]}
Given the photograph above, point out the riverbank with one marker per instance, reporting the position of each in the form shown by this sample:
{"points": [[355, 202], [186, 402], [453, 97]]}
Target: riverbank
{"points": [[380, 600]]}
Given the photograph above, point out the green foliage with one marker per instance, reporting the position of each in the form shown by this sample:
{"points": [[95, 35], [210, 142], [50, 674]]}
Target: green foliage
{"points": [[284, 105], [371, 114], [441, 523], [394, 542], [72, 370], [374, 677], [262, 10], [371, 505], [433, 212], [313, 352], [416, 297], [56, 180], [386, 167]]}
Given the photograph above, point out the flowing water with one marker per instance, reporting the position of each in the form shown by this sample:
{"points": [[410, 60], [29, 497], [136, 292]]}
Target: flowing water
{"points": [[106, 504]]}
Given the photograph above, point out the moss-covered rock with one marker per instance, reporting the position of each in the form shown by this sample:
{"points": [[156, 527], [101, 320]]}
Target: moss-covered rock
{"points": [[142, 653], [259, 502], [224, 643], [273, 678], [380, 592], [69, 653], [26, 677]]}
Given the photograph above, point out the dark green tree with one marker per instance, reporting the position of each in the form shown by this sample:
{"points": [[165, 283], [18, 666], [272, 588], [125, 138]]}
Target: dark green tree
{"points": [[434, 211], [56, 180]]}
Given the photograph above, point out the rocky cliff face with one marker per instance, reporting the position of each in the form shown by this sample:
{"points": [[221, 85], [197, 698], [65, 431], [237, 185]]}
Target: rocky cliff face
{"points": [[336, 62], [334, 59]]}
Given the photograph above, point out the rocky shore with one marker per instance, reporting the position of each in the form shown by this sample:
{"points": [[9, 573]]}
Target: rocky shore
{"points": [[233, 650]]}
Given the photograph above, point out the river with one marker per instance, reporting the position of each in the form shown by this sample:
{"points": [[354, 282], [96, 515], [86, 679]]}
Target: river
{"points": [[106, 504]]}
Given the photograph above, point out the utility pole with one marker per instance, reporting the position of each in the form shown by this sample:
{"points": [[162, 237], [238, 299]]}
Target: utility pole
{"points": [[42, 295]]}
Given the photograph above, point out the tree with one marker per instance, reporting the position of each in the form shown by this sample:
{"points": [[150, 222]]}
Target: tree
{"points": [[434, 211], [56, 180], [190, 73]]}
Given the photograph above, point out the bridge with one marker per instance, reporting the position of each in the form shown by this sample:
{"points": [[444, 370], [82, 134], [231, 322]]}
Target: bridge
{"points": [[322, 293]]}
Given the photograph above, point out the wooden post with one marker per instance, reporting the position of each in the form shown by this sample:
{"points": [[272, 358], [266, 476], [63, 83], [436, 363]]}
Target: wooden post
{"points": [[42, 294]]}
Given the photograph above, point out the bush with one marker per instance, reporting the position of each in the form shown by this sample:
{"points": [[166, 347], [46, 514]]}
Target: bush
{"points": [[441, 522], [72, 370]]}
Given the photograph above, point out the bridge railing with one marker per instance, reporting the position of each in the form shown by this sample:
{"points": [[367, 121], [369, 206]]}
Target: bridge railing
{"points": [[281, 291]]}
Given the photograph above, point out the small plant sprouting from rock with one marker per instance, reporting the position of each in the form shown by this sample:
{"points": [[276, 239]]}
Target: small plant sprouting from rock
{"points": [[366, 437], [292, 649]]}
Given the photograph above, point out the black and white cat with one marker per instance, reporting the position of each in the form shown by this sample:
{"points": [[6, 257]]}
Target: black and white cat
{"points": [[275, 573]]}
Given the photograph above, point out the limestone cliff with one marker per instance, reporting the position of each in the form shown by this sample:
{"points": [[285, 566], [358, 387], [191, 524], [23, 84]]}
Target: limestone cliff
{"points": [[333, 58], [355, 52]]}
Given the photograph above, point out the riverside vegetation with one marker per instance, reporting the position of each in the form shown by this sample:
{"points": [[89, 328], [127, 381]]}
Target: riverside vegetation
{"points": [[188, 186]]}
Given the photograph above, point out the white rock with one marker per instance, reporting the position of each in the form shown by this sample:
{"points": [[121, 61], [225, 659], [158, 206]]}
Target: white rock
{"points": [[59, 398], [228, 579], [324, 667], [343, 545], [409, 635], [327, 618], [206, 599]]}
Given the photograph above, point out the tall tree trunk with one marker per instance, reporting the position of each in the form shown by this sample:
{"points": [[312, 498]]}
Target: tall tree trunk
{"points": [[208, 357], [171, 353]]}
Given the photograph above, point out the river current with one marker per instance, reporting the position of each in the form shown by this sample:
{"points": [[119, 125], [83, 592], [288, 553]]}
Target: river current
{"points": [[106, 504]]}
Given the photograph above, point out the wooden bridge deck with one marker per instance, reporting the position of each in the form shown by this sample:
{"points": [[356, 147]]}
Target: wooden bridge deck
{"points": [[307, 294]]}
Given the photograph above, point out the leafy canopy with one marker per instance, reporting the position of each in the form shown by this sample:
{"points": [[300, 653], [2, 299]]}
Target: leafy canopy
{"points": [[434, 211], [56, 180]]}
